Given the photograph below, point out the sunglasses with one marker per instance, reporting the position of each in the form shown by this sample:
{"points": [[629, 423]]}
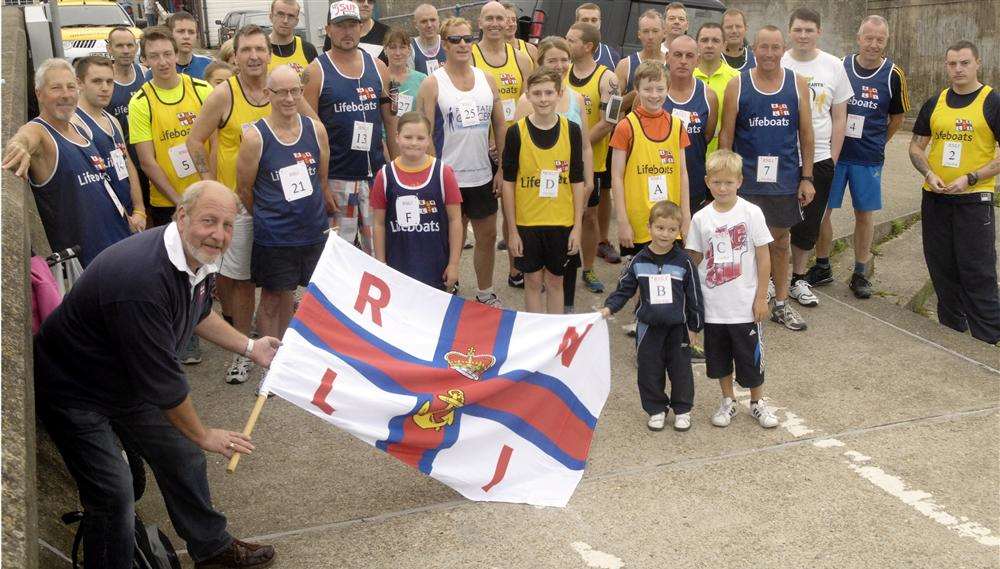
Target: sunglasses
{"points": [[459, 39]]}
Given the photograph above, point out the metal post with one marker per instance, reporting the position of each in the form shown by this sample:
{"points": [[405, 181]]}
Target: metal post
{"points": [[56, 29]]}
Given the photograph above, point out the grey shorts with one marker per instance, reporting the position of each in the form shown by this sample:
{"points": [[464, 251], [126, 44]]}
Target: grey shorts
{"points": [[782, 212]]}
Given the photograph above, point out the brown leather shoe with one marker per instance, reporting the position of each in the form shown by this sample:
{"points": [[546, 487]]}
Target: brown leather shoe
{"points": [[240, 554]]}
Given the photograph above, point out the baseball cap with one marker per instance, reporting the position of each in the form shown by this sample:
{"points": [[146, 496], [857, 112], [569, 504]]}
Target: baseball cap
{"points": [[342, 11]]}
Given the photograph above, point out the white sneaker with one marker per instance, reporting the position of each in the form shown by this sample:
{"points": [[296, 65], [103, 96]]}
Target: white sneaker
{"points": [[239, 370], [682, 422], [490, 299], [656, 421], [764, 415], [630, 329], [725, 414], [802, 292]]}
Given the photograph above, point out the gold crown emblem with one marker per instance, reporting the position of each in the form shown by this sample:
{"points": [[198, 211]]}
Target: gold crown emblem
{"points": [[469, 364]]}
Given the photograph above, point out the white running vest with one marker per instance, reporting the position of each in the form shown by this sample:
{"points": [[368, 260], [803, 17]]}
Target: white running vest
{"points": [[462, 128]]}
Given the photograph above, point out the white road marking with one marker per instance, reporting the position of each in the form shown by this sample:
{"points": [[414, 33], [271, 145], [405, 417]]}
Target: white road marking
{"points": [[894, 486], [595, 558], [923, 502]]}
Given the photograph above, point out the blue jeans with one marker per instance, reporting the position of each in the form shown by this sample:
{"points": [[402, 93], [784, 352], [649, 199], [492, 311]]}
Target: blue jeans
{"points": [[87, 443]]}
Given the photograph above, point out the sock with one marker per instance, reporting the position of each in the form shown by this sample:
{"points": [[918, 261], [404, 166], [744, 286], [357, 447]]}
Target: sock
{"points": [[484, 293], [823, 262], [860, 268], [778, 303], [752, 402], [796, 277]]}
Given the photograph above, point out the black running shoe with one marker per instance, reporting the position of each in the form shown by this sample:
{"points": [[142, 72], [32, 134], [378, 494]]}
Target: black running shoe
{"points": [[861, 286], [515, 281], [818, 276]]}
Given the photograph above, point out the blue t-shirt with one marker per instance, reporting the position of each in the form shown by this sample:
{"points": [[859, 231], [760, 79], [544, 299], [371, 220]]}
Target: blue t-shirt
{"points": [[195, 68]]}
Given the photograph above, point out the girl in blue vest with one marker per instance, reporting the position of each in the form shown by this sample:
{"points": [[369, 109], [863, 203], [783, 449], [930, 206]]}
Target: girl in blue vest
{"points": [[416, 206]]}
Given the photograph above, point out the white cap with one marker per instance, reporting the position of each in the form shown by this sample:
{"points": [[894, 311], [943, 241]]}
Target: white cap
{"points": [[342, 11]]}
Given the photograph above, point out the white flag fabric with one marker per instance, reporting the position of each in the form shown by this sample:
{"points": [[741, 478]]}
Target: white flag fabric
{"points": [[497, 404]]}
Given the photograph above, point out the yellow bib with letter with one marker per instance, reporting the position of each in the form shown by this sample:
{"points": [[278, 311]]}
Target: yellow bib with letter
{"points": [[652, 174], [539, 200]]}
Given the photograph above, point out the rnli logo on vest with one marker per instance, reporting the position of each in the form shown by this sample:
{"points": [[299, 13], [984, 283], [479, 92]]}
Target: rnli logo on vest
{"points": [[366, 93], [304, 157], [297, 67], [963, 125], [666, 156], [98, 163], [185, 118], [428, 206], [695, 119], [508, 84], [562, 166], [588, 102], [779, 110], [869, 92]]}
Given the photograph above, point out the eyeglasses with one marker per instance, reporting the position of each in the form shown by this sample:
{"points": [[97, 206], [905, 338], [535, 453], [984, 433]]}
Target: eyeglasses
{"points": [[282, 93], [459, 39]]}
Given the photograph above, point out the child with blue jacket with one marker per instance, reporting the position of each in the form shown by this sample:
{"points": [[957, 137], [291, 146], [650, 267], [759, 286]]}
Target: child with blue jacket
{"points": [[670, 304]]}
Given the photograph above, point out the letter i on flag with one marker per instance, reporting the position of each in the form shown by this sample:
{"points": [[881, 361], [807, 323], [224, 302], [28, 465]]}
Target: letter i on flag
{"points": [[497, 404]]}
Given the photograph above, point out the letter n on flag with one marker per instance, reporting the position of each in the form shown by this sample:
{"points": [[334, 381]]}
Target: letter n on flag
{"points": [[497, 404]]}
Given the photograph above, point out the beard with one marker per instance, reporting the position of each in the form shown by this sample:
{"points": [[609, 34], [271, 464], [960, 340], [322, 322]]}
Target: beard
{"points": [[195, 252]]}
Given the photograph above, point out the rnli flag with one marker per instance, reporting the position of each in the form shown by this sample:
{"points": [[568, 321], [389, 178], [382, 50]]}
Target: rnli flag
{"points": [[497, 404]]}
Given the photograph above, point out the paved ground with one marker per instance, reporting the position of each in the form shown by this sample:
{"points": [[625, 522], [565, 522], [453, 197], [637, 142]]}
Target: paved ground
{"points": [[887, 457]]}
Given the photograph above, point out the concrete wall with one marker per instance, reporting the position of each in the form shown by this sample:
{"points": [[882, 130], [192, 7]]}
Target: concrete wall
{"points": [[840, 19], [18, 422], [921, 31]]}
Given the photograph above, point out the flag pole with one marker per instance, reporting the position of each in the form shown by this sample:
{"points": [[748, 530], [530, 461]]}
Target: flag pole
{"points": [[235, 459]]}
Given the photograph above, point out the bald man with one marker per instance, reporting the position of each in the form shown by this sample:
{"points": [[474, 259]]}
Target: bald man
{"points": [[427, 55]]}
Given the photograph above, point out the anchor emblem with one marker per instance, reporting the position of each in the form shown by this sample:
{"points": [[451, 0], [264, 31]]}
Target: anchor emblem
{"points": [[427, 418]]}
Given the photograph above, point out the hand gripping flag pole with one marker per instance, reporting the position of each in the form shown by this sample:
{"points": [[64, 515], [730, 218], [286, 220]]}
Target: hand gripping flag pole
{"points": [[247, 430]]}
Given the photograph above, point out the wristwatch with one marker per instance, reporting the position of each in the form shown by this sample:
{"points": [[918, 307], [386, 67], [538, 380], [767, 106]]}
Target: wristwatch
{"points": [[806, 179], [972, 178]]}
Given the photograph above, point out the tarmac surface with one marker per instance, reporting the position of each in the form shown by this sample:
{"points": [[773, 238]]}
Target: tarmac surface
{"points": [[887, 456]]}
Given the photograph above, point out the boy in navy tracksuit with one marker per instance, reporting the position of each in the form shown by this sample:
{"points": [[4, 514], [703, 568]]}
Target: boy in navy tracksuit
{"points": [[669, 305]]}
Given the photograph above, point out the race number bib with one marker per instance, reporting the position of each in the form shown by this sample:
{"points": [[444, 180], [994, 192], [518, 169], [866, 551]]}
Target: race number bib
{"points": [[432, 65], [951, 157], [661, 289], [657, 186], [767, 169], [722, 249], [181, 160], [404, 104], [684, 116], [361, 139], [468, 114], [549, 184], [118, 161], [408, 211], [855, 126], [295, 182], [509, 109]]}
